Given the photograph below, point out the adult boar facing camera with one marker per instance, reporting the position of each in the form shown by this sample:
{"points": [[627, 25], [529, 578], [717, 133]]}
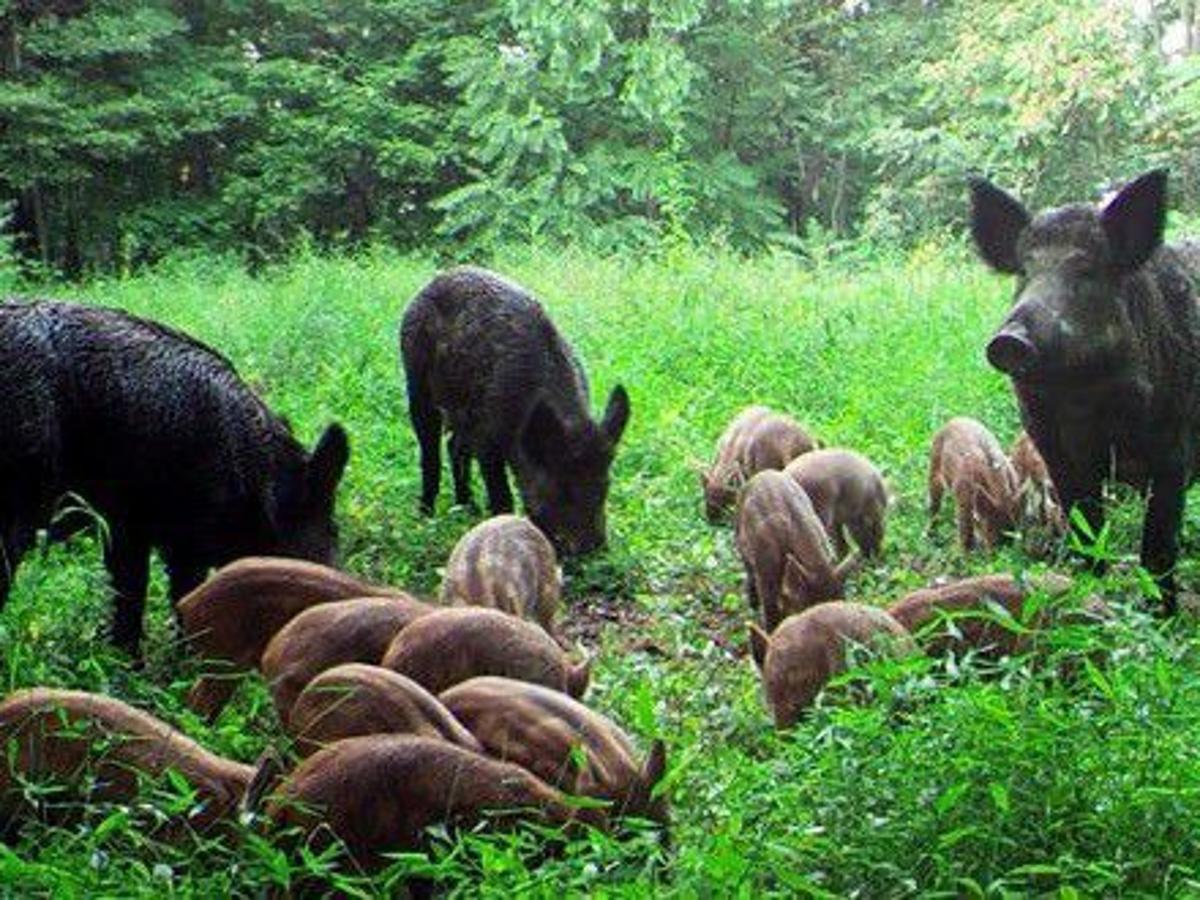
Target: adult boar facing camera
{"points": [[1103, 348], [482, 359], [162, 438]]}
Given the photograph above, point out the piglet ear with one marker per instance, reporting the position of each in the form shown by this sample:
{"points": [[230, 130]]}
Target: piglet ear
{"points": [[544, 436], [616, 414], [327, 463], [1135, 218], [997, 220], [578, 678], [759, 642], [656, 764]]}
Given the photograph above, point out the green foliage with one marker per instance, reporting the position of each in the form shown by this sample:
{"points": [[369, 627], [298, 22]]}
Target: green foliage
{"points": [[1069, 774], [133, 130]]}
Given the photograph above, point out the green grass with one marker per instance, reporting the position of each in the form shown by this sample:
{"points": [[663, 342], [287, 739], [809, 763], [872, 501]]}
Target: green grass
{"points": [[951, 783]]}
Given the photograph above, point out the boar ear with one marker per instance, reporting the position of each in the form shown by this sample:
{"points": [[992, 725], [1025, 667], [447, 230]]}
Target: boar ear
{"points": [[544, 436], [997, 220], [578, 678], [616, 414], [269, 769], [759, 643], [1135, 218], [328, 462], [656, 764]]}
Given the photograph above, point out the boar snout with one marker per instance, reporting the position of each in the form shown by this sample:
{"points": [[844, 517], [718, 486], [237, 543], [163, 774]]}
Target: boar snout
{"points": [[1011, 351], [573, 541]]}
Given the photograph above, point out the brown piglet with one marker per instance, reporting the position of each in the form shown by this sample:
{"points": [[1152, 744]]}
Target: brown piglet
{"points": [[808, 650], [991, 615], [562, 742], [1039, 499], [789, 560], [98, 748], [968, 461], [356, 699], [451, 645], [756, 439], [232, 616], [848, 493], [323, 636], [380, 793], [508, 564]]}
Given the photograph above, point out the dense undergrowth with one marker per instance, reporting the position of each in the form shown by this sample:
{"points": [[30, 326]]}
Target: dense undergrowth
{"points": [[957, 780]]}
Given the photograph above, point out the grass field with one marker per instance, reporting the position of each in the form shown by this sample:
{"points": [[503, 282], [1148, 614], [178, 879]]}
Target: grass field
{"points": [[951, 783]]}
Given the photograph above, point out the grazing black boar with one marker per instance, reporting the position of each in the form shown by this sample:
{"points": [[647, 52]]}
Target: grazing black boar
{"points": [[328, 634], [505, 563], [380, 793], [160, 436], [451, 645], [482, 358], [97, 748], [786, 551], [232, 616], [968, 461], [1035, 488], [756, 439], [356, 699], [1103, 348], [562, 742], [848, 493], [806, 651]]}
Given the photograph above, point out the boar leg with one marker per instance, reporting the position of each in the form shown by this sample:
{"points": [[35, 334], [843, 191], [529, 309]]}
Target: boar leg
{"points": [[127, 558], [964, 499], [460, 468], [868, 534], [427, 423], [14, 543], [935, 494], [500, 499], [1160, 532], [184, 574]]}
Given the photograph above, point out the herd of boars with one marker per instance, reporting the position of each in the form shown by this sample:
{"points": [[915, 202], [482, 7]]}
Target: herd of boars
{"points": [[403, 712]]}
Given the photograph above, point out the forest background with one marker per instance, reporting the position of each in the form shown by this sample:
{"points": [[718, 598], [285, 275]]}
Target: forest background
{"points": [[131, 130]]}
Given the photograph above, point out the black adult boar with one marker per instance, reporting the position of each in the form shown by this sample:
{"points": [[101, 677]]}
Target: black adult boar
{"points": [[481, 356], [158, 434], [1103, 348]]}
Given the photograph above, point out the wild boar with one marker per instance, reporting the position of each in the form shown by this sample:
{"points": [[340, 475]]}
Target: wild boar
{"points": [[968, 461], [806, 651], [972, 604], [232, 616], [1035, 488], [96, 748], [1103, 348], [787, 553], [451, 645], [562, 742], [756, 439], [356, 699], [328, 634], [161, 437], [379, 794], [508, 564], [482, 357], [848, 494]]}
